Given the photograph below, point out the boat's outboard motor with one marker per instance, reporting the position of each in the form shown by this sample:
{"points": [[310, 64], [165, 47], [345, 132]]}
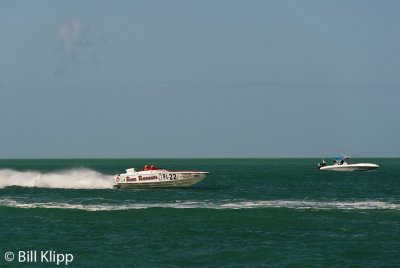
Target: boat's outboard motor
{"points": [[320, 165]]}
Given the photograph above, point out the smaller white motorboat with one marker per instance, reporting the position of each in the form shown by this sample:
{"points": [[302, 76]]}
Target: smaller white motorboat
{"points": [[152, 177], [342, 163]]}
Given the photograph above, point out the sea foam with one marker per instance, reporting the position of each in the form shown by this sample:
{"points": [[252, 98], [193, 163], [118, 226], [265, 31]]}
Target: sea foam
{"points": [[290, 204]]}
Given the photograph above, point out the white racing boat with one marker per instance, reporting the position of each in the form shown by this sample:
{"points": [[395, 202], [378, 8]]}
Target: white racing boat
{"points": [[343, 164], [158, 178]]}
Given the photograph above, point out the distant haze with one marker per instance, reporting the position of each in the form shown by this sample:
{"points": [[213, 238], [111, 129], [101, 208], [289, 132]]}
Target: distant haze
{"points": [[199, 78]]}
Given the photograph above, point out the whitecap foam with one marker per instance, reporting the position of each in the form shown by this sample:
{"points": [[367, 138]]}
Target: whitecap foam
{"points": [[69, 179], [290, 204], [300, 204]]}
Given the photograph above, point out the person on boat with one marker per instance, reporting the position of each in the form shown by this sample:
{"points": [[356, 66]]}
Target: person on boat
{"points": [[152, 167], [146, 167]]}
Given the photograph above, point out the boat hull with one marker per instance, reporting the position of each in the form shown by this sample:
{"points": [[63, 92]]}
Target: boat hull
{"points": [[159, 180], [351, 167]]}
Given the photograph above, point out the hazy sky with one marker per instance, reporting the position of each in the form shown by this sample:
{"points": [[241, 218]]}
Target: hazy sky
{"points": [[199, 78]]}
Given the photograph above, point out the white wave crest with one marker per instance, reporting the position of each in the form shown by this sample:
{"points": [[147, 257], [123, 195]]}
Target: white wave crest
{"points": [[69, 179], [300, 205]]}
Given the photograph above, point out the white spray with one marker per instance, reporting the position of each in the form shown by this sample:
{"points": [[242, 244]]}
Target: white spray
{"points": [[69, 179]]}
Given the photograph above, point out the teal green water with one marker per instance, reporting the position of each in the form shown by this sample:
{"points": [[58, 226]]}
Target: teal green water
{"points": [[247, 212]]}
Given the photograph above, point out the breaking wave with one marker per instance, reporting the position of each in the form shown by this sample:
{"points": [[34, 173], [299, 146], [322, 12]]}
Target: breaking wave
{"points": [[69, 179], [301, 205]]}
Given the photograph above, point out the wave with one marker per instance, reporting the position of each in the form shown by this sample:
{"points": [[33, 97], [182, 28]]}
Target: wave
{"points": [[69, 179], [291, 204]]}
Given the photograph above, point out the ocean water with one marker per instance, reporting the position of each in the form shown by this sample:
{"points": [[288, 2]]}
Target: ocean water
{"points": [[246, 213]]}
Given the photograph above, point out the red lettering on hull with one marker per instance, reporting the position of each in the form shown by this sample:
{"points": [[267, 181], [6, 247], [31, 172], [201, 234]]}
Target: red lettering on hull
{"points": [[147, 178]]}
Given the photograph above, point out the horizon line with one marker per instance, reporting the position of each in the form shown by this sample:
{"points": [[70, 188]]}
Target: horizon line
{"points": [[218, 157]]}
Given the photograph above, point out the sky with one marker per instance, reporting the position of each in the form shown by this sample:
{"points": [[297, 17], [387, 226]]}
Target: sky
{"points": [[176, 79]]}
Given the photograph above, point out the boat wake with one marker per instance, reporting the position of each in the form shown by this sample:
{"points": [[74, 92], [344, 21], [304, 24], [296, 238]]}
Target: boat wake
{"points": [[290, 204], [68, 179]]}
